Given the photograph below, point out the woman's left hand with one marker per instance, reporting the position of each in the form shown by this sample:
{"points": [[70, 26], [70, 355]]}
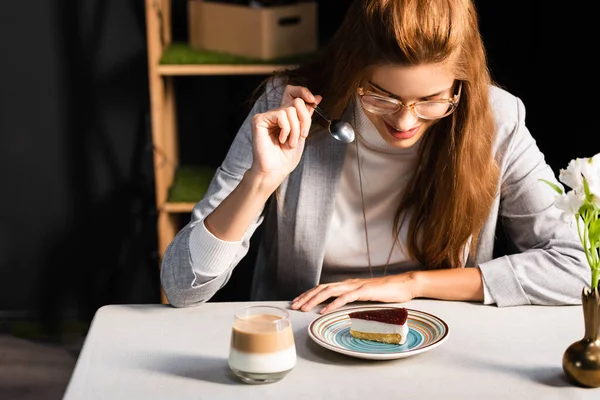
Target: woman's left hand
{"points": [[388, 289]]}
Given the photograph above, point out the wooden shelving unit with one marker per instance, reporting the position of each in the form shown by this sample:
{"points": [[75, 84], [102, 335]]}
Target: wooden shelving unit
{"points": [[182, 70], [163, 112]]}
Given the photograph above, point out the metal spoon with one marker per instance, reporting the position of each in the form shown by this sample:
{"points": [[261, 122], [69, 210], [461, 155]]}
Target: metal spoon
{"points": [[340, 130]]}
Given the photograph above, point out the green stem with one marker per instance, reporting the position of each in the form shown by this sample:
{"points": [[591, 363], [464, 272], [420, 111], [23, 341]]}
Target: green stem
{"points": [[595, 256], [589, 248], [596, 246], [584, 238]]}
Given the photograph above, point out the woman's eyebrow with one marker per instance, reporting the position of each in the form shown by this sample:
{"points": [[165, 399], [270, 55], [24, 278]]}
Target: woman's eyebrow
{"points": [[400, 98]]}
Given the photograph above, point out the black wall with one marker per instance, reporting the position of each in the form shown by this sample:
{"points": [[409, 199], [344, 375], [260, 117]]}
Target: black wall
{"points": [[77, 227], [77, 222]]}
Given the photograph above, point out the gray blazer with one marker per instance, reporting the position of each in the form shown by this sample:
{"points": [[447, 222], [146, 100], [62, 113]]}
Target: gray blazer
{"points": [[544, 262]]}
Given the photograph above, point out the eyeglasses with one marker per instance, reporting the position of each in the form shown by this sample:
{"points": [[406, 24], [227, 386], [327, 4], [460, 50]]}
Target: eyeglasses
{"points": [[430, 109]]}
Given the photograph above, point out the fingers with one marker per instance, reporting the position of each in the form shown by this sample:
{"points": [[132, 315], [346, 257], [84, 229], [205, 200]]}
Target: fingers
{"points": [[304, 116], [319, 294], [299, 301], [299, 120], [292, 131], [342, 300], [292, 92], [293, 117], [281, 117]]}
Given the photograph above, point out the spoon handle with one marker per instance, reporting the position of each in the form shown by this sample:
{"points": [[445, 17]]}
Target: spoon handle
{"points": [[320, 112]]}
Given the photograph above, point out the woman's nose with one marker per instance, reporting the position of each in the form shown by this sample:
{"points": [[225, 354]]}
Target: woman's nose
{"points": [[404, 119]]}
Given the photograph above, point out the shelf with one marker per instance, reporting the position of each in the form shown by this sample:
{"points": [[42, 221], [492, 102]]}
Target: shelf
{"points": [[214, 69], [179, 59], [178, 208], [189, 186]]}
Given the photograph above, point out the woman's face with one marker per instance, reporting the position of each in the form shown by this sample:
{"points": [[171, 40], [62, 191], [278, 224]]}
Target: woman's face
{"points": [[409, 84]]}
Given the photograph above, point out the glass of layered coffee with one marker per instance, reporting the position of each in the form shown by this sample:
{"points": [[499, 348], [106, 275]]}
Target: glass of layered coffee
{"points": [[262, 346]]}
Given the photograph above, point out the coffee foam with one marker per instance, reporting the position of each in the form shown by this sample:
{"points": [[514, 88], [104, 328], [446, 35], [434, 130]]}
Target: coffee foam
{"points": [[261, 333]]}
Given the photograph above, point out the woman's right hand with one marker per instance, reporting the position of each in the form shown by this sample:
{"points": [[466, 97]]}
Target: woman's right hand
{"points": [[278, 136]]}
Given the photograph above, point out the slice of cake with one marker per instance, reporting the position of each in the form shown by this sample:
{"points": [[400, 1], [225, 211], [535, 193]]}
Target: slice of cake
{"points": [[387, 325]]}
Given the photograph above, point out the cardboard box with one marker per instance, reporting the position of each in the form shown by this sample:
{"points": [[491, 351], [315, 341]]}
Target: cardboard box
{"points": [[263, 33]]}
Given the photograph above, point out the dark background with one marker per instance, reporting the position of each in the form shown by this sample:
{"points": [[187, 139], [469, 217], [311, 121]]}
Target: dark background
{"points": [[77, 218]]}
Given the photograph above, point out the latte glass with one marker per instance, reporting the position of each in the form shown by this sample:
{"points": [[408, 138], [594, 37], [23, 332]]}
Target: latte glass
{"points": [[262, 348]]}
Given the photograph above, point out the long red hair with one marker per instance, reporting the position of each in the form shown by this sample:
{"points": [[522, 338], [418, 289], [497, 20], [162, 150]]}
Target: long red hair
{"points": [[452, 189]]}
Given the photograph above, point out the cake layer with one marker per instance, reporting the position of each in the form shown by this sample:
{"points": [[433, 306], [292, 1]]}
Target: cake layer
{"points": [[391, 338], [361, 325], [396, 316]]}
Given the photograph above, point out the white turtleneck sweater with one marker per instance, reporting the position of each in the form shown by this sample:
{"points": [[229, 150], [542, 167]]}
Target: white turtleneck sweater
{"points": [[385, 172]]}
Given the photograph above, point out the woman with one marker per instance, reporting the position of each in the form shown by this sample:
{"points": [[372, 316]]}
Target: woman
{"points": [[442, 158]]}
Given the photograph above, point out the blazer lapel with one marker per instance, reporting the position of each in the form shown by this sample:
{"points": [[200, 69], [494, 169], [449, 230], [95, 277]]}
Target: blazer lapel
{"points": [[303, 228]]}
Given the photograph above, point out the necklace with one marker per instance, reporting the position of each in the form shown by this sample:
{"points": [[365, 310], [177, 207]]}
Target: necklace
{"points": [[362, 199]]}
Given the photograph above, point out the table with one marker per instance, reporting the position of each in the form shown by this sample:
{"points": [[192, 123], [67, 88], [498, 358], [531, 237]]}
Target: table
{"points": [[160, 352]]}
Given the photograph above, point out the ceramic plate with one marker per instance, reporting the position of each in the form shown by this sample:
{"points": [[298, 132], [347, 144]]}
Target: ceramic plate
{"points": [[332, 331]]}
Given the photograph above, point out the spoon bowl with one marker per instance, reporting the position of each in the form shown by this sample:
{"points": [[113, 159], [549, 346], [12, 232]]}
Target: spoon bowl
{"points": [[340, 130]]}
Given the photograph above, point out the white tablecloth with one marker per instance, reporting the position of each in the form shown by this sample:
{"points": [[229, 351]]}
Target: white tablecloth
{"points": [[159, 352]]}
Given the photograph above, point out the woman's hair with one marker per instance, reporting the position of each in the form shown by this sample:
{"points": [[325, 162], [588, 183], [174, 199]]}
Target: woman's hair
{"points": [[455, 182]]}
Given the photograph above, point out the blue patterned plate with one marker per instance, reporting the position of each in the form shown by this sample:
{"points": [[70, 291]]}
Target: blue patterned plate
{"points": [[332, 331]]}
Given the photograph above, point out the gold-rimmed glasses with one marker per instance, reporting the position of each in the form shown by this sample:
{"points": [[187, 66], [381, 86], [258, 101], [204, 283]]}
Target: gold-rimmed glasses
{"points": [[428, 109]]}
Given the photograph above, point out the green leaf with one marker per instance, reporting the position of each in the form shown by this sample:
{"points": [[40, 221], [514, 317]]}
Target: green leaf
{"points": [[594, 232], [585, 208], [554, 186]]}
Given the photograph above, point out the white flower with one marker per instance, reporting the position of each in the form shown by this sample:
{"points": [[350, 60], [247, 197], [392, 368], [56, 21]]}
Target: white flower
{"points": [[590, 168], [584, 205], [591, 171], [571, 176], [569, 203]]}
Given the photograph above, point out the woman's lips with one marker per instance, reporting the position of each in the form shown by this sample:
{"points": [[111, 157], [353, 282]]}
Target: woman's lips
{"points": [[402, 134]]}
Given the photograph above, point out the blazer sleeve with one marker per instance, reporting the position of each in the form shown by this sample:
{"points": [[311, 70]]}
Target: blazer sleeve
{"points": [[547, 265], [197, 264]]}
